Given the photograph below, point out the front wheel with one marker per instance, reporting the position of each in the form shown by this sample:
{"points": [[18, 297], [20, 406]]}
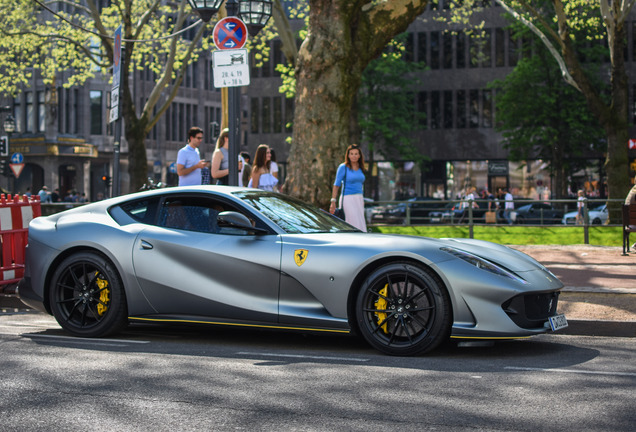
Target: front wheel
{"points": [[87, 296], [401, 309]]}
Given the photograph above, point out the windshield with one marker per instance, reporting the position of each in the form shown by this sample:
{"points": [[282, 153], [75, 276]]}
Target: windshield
{"points": [[292, 215]]}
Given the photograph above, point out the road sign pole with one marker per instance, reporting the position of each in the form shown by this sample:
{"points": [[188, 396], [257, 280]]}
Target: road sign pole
{"points": [[234, 122], [231, 33]]}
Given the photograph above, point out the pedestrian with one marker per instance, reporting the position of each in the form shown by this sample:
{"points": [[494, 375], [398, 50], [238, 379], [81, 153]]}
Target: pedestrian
{"points": [[509, 205], [262, 177], [631, 195], [44, 195], [189, 162], [247, 169], [220, 159], [350, 175], [28, 192], [274, 165], [631, 199], [580, 206], [55, 196]]}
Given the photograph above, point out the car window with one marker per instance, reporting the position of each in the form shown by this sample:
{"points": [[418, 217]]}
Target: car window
{"points": [[292, 215], [194, 213], [143, 210]]}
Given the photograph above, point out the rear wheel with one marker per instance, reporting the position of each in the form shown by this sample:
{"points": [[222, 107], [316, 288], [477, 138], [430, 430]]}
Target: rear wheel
{"points": [[401, 309], [87, 297]]}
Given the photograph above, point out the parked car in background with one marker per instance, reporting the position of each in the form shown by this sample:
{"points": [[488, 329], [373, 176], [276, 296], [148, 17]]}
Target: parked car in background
{"points": [[395, 214], [597, 216], [537, 213], [453, 213]]}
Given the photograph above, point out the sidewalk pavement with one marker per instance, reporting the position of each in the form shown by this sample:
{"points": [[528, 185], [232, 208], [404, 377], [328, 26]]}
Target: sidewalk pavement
{"points": [[581, 268]]}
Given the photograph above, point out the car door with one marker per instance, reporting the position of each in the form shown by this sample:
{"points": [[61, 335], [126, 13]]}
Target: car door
{"points": [[187, 265]]}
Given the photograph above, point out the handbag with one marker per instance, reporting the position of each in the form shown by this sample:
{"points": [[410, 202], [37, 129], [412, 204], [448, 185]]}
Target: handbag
{"points": [[491, 217], [339, 212]]}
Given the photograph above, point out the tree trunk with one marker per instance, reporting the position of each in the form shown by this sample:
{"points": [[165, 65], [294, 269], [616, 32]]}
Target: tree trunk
{"points": [[344, 36], [137, 161]]}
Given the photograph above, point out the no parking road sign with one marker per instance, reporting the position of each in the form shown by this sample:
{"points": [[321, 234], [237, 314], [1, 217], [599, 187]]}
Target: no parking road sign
{"points": [[230, 33]]}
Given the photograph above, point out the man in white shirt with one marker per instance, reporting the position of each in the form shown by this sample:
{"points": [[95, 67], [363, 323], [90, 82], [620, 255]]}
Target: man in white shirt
{"points": [[189, 163], [509, 206]]}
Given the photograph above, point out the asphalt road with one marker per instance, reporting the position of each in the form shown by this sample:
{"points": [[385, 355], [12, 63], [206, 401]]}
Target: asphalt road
{"points": [[175, 379]]}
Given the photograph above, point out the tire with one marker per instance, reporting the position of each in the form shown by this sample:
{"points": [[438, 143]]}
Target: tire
{"points": [[87, 296], [596, 221], [402, 310], [520, 220]]}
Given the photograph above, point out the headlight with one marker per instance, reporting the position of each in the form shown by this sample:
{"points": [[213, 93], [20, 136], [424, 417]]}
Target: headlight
{"points": [[483, 264]]}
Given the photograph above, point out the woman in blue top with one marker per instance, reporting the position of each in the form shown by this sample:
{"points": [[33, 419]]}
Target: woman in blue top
{"points": [[351, 174]]}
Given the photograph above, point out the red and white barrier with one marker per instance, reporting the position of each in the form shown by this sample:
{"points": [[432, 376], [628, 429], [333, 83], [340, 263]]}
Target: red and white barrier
{"points": [[15, 214]]}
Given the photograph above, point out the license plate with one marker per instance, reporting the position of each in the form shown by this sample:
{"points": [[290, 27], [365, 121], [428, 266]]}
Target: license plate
{"points": [[558, 322]]}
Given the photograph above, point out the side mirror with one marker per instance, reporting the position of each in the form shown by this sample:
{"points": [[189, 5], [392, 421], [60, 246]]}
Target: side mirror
{"points": [[232, 219]]}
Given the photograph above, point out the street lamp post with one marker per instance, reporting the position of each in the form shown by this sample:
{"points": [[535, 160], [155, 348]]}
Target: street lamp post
{"points": [[9, 127], [255, 14]]}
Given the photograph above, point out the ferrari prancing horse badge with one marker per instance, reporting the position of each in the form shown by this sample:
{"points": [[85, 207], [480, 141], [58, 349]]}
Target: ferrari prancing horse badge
{"points": [[300, 255]]}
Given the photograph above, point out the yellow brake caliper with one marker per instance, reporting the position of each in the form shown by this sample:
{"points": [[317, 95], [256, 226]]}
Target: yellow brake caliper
{"points": [[381, 304], [102, 307]]}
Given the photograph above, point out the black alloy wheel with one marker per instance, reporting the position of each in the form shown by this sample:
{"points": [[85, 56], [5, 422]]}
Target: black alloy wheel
{"points": [[402, 309], [87, 297]]}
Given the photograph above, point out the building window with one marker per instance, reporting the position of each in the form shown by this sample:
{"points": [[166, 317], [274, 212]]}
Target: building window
{"points": [[448, 109], [17, 114], [513, 51], [435, 51], [421, 47], [486, 109], [500, 49], [277, 55], [422, 108], [30, 113], [447, 41], [460, 50], [278, 114], [436, 110], [76, 110], [96, 112], [461, 109], [266, 115], [289, 115], [267, 64], [409, 48], [67, 111], [41, 119], [473, 108], [254, 108], [486, 49]]}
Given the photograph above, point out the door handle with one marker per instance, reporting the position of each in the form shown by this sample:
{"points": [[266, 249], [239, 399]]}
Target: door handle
{"points": [[146, 245]]}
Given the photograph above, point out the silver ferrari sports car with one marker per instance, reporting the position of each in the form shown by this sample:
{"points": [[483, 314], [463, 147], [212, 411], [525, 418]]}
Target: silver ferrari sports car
{"points": [[244, 257]]}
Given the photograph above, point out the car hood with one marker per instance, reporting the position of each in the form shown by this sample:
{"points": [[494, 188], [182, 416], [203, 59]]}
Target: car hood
{"points": [[427, 249]]}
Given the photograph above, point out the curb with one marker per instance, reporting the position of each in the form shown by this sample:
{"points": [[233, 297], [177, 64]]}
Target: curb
{"points": [[11, 303], [600, 328]]}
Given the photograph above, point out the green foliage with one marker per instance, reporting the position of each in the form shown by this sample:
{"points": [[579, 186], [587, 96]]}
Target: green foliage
{"points": [[34, 40], [537, 111], [515, 235], [386, 103]]}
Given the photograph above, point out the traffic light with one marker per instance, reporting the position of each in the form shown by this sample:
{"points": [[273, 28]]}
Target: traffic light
{"points": [[4, 146], [215, 130], [107, 180], [4, 167]]}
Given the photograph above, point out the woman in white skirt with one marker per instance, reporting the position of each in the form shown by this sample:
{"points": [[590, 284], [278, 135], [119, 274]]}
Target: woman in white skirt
{"points": [[351, 175]]}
